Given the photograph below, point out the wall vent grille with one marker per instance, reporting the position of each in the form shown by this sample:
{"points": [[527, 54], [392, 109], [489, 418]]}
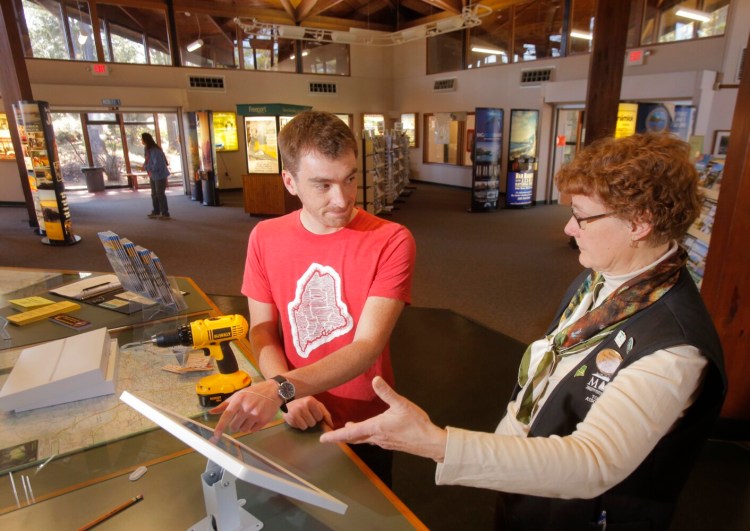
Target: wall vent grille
{"points": [[322, 88], [445, 85], [206, 83], [536, 77]]}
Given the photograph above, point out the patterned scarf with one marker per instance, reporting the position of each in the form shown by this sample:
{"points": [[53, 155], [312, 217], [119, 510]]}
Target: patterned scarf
{"points": [[633, 296]]}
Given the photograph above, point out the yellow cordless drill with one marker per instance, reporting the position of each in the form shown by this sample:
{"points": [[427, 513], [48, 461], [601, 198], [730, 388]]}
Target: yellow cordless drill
{"points": [[213, 336]]}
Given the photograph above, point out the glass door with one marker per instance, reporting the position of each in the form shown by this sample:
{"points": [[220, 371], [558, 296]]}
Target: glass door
{"points": [[568, 140], [105, 134]]}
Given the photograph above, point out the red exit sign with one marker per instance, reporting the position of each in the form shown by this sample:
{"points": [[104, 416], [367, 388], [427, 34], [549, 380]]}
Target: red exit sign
{"points": [[100, 69]]}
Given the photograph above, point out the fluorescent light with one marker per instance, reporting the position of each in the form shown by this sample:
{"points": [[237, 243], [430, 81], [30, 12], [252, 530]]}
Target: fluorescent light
{"points": [[194, 45], [479, 49], [291, 32], [693, 14], [581, 35]]}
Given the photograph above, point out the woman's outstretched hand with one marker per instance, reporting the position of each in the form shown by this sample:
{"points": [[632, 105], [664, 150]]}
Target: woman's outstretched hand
{"points": [[404, 427]]}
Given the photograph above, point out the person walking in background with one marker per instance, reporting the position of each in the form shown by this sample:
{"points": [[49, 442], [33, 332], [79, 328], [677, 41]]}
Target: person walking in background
{"points": [[156, 165], [615, 401]]}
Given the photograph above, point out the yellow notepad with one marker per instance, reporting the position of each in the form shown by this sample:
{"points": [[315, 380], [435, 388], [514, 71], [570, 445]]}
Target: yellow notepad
{"points": [[29, 303]]}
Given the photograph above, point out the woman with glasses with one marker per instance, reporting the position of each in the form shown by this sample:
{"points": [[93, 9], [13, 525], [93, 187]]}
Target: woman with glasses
{"points": [[614, 402]]}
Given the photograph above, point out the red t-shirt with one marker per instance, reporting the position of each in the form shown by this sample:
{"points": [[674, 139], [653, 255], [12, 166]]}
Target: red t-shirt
{"points": [[319, 284]]}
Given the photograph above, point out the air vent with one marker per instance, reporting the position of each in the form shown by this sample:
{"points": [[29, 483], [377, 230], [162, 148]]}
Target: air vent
{"points": [[535, 77], [206, 83], [322, 88], [445, 85], [742, 63]]}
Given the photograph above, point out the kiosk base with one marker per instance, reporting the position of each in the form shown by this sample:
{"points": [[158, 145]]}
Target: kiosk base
{"points": [[225, 511]]}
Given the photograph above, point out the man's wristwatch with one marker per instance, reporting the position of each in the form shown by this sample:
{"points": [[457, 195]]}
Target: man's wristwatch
{"points": [[286, 391]]}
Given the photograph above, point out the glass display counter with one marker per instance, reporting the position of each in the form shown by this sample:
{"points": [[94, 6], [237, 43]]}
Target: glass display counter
{"points": [[63, 466]]}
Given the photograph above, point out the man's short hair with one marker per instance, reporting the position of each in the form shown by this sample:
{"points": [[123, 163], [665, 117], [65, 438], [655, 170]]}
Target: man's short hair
{"points": [[314, 131]]}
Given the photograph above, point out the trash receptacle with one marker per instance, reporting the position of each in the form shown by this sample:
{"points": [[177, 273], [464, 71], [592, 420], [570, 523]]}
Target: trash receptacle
{"points": [[210, 192], [94, 178]]}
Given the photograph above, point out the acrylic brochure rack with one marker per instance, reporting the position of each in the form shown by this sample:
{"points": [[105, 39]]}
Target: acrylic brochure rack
{"points": [[141, 272]]}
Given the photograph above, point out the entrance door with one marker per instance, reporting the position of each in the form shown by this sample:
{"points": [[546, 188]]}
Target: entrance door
{"points": [[112, 140], [568, 140]]}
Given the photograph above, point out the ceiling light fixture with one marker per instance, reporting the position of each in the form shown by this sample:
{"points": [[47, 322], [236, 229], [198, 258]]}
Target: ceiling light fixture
{"points": [[490, 51], [577, 34], [470, 17], [194, 45], [693, 14]]}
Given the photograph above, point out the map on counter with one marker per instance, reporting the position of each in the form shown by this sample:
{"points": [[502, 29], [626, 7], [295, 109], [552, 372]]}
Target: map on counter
{"points": [[66, 428]]}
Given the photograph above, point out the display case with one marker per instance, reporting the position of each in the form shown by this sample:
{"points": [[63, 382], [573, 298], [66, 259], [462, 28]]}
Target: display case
{"points": [[263, 190]]}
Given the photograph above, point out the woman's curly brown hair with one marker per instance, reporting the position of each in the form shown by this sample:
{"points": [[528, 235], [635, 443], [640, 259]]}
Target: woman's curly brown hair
{"points": [[643, 177]]}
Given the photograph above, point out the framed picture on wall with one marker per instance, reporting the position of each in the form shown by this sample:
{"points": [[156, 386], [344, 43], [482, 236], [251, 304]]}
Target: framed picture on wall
{"points": [[721, 143]]}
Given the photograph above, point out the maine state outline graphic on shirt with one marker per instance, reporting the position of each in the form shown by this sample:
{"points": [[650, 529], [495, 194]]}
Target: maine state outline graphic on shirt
{"points": [[317, 314]]}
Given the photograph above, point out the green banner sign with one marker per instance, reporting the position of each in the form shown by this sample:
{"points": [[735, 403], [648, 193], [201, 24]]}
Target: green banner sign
{"points": [[270, 109]]}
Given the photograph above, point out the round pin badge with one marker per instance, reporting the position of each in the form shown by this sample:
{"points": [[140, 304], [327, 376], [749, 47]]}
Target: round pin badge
{"points": [[608, 360]]}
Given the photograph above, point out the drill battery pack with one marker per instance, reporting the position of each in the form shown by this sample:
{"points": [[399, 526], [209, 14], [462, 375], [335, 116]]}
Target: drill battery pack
{"points": [[214, 389]]}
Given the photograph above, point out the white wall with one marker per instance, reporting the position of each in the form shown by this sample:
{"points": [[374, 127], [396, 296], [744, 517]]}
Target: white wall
{"points": [[671, 72], [10, 183]]}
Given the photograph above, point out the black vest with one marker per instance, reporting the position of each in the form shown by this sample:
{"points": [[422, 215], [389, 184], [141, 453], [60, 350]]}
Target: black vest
{"points": [[646, 498]]}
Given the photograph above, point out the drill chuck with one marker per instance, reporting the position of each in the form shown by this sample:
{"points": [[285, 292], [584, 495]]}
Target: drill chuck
{"points": [[182, 336]]}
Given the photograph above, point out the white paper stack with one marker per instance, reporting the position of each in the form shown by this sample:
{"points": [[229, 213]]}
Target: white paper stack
{"points": [[74, 368]]}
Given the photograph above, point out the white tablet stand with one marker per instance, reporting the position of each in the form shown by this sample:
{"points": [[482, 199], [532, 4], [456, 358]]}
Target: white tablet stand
{"points": [[229, 460]]}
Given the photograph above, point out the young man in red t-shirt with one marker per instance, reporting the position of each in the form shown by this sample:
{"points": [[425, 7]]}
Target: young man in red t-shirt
{"points": [[325, 286]]}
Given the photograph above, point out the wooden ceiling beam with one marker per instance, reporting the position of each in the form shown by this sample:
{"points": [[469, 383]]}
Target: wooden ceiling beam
{"points": [[452, 6]]}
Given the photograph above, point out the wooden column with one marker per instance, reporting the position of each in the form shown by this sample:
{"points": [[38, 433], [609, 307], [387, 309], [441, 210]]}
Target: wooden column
{"points": [[15, 85], [726, 283], [605, 69]]}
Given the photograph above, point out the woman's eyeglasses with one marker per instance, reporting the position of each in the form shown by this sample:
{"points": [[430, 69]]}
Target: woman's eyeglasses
{"points": [[582, 222]]}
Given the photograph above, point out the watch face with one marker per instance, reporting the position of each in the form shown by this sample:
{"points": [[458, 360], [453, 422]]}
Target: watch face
{"points": [[286, 390]]}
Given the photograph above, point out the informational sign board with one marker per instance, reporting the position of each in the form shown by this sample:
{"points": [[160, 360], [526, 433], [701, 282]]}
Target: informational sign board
{"points": [[522, 162], [486, 158]]}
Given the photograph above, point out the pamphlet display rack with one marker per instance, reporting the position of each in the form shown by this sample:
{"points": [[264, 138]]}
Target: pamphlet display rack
{"points": [[385, 170], [140, 271], [696, 241]]}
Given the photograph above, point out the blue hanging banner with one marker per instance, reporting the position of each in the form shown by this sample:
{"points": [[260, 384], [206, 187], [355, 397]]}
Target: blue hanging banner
{"points": [[486, 158]]}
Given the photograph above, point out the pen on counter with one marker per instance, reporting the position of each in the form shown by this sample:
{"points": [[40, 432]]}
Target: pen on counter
{"points": [[94, 287], [132, 501], [15, 492]]}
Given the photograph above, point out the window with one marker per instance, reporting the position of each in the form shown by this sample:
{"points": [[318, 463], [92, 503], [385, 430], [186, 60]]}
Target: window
{"points": [[267, 52], [679, 21], [582, 27], [409, 126], [490, 43], [443, 136], [206, 40], [445, 52], [374, 122], [45, 31], [325, 58], [134, 35], [538, 30]]}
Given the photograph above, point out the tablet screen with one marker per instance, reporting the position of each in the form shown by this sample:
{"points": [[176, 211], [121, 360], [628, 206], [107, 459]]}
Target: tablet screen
{"points": [[240, 460]]}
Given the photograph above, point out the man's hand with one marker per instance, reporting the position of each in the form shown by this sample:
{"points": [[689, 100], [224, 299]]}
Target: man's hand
{"points": [[306, 412], [248, 409], [404, 427]]}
